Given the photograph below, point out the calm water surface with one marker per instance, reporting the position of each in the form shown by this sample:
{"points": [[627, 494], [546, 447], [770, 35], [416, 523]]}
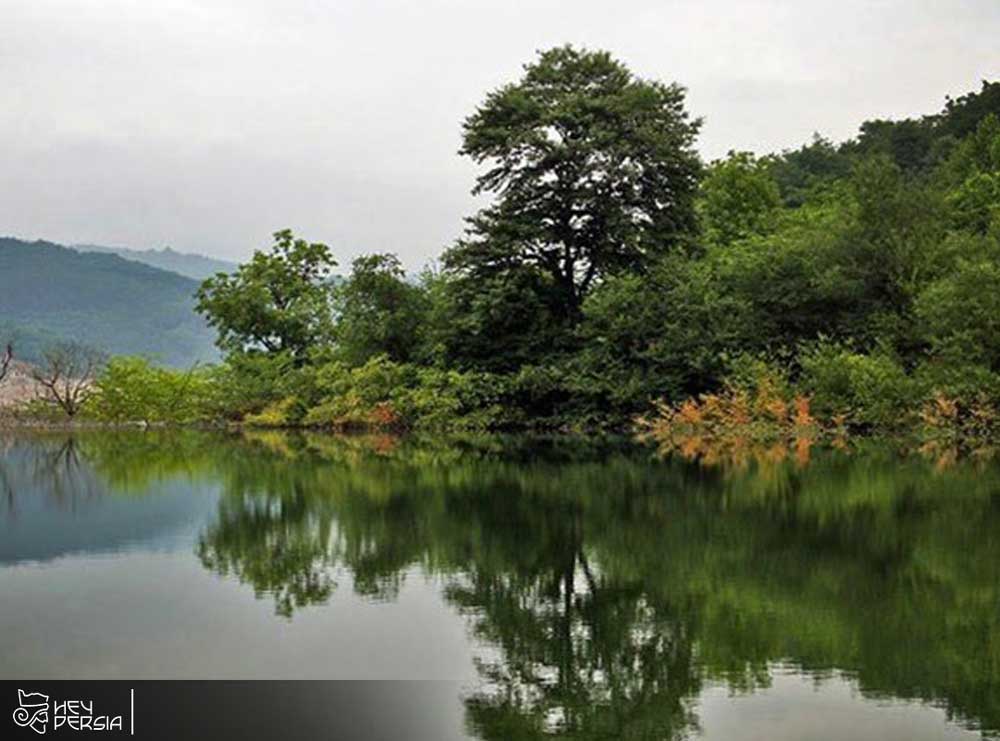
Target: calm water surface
{"points": [[569, 589]]}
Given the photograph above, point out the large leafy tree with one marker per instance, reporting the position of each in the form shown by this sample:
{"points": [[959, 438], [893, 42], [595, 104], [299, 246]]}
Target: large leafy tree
{"points": [[278, 302], [498, 325], [594, 172], [739, 199], [801, 172], [379, 311]]}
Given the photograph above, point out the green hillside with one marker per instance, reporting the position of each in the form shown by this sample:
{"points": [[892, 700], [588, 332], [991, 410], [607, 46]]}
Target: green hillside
{"points": [[188, 264], [50, 292]]}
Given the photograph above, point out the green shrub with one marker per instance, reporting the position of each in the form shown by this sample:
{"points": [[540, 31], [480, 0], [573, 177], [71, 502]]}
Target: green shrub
{"points": [[756, 373], [385, 394], [450, 399], [285, 413], [873, 390], [960, 313], [131, 389], [249, 382], [568, 395], [661, 334], [956, 379]]}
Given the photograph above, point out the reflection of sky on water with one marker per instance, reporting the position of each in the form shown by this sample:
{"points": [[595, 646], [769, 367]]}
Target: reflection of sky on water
{"points": [[143, 615], [798, 706], [52, 503]]}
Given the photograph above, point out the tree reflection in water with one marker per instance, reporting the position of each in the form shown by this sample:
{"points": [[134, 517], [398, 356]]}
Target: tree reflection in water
{"points": [[615, 585]]}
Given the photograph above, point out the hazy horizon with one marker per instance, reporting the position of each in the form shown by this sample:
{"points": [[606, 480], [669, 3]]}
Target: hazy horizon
{"points": [[205, 126]]}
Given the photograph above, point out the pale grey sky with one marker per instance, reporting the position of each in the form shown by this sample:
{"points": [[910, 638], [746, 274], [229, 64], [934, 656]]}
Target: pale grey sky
{"points": [[208, 124]]}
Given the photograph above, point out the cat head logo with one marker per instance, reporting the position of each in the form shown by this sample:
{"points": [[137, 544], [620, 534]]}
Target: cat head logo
{"points": [[33, 710]]}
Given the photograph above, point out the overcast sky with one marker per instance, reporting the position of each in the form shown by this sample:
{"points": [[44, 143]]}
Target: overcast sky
{"points": [[208, 124]]}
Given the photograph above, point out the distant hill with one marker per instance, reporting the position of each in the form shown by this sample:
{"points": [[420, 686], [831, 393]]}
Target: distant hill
{"points": [[187, 264], [50, 292]]}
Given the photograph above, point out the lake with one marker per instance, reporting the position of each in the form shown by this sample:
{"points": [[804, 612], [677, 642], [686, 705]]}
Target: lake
{"points": [[556, 586]]}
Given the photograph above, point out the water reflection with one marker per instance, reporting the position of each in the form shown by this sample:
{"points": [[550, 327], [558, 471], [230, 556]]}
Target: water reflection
{"points": [[615, 590]]}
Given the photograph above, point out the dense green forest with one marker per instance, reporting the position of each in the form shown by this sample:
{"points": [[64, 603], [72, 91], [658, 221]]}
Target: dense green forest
{"points": [[857, 283], [51, 293]]}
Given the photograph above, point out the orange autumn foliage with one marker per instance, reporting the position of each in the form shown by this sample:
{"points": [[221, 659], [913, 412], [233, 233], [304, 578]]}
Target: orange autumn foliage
{"points": [[736, 424]]}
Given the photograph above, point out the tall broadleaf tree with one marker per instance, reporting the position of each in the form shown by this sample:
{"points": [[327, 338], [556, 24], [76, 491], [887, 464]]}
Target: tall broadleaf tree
{"points": [[279, 302], [379, 312], [593, 170]]}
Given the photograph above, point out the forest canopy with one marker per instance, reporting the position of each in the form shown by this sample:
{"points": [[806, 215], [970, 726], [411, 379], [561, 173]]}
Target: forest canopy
{"points": [[611, 268]]}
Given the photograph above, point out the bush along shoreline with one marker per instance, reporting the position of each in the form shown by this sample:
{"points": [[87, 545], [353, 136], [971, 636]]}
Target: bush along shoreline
{"points": [[613, 280], [838, 398]]}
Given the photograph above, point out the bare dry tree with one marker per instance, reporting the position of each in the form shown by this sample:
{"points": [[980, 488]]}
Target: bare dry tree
{"points": [[66, 375], [5, 360]]}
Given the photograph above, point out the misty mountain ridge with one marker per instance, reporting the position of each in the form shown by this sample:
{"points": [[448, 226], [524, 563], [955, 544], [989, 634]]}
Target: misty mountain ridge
{"points": [[188, 264], [50, 292]]}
